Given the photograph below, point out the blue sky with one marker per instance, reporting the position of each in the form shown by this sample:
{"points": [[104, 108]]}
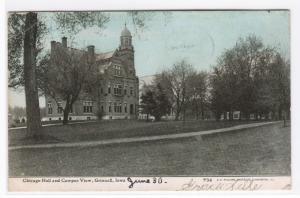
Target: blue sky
{"points": [[197, 36]]}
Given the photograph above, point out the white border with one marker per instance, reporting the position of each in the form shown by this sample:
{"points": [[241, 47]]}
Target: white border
{"points": [[47, 5]]}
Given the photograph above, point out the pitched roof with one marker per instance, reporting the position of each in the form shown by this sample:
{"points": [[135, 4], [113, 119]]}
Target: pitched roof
{"points": [[79, 52], [125, 32], [105, 55]]}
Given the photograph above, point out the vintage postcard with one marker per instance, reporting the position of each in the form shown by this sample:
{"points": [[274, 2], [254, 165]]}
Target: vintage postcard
{"points": [[190, 100]]}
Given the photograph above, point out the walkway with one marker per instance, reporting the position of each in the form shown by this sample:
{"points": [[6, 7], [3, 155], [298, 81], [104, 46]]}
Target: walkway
{"points": [[140, 139], [55, 124]]}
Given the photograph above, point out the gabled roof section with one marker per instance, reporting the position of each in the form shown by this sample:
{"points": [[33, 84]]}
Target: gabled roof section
{"points": [[103, 56], [102, 68], [80, 52]]}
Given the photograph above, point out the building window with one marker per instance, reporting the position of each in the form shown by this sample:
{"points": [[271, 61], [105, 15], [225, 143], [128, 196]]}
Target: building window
{"points": [[117, 70], [125, 107], [118, 107], [108, 89], [49, 108], [131, 108], [125, 91], [101, 90], [59, 107], [118, 89], [87, 107], [109, 107], [131, 91], [236, 115]]}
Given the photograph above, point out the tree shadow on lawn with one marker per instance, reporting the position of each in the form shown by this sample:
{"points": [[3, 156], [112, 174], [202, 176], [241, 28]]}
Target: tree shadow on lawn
{"points": [[21, 138], [40, 139]]}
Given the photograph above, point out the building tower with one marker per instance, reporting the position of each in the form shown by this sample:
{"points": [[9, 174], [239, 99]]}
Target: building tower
{"points": [[126, 39], [126, 51]]}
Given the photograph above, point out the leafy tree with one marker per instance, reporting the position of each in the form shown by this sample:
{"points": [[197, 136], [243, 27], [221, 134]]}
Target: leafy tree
{"points": [[280, 80], [163, 105], [17, 112], [67, 75], [24, 33], [198, 93], [73, 22], [154, 102], [69, 23], [218, 93], [16, 33], [148, 102], [250, 78], [16, 27]]}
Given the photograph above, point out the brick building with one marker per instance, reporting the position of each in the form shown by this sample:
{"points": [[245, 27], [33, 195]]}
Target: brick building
{"points": [[118, 86]]}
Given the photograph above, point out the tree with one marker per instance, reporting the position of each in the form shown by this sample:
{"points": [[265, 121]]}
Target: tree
{"points": [[15, 49], [175, 80], [163, 105], [197, 86], [17, 112], [264, 100], [250, 78], [148, 102], [24, 33], [31, 91], [154, 101], [67, 75], [280, 80], [218, 93]]}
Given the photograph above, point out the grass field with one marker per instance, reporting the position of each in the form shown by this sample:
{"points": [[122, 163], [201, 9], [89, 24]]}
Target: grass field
{"points": [[116, 129], [261, 151]]}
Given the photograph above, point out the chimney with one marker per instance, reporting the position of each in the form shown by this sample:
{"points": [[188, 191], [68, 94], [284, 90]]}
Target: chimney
{"points": [[91, 50], [64, 41], [52, 46]]}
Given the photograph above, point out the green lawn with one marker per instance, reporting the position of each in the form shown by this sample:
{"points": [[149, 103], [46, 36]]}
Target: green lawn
{"points": [[261, 151], [116, 129]]}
